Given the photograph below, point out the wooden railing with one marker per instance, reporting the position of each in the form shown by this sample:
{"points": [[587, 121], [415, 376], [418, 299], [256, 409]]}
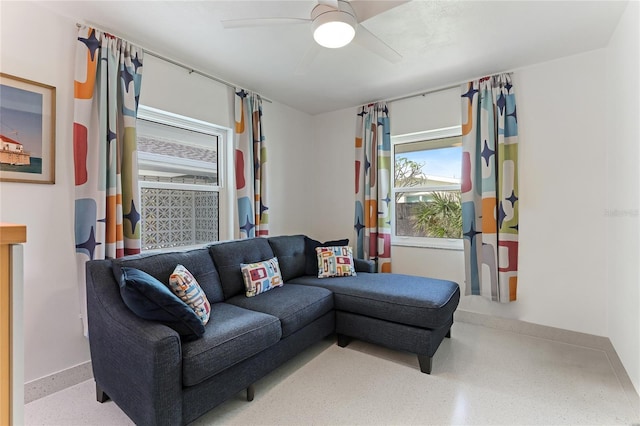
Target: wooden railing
{"points": [[9, 234]]}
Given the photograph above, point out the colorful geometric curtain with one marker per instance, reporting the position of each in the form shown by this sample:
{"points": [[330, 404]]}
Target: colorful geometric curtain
{"points": [[490, 187], [107, 200], [373, 185], [251, 162]]}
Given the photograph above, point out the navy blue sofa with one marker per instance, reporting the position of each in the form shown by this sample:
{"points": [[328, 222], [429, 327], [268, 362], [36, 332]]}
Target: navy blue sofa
{"points": [[157, 378]]}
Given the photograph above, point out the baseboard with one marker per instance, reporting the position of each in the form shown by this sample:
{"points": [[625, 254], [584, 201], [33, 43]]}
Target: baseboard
{"points": [[559, 335], [55, 382]]}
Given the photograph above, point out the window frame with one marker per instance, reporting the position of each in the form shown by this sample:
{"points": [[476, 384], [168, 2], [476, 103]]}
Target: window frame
{"points": [[424, 242], [224, 166]]}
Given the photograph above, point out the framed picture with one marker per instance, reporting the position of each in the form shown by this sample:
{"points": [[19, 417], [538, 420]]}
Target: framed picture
{"points": [[27, 131]]}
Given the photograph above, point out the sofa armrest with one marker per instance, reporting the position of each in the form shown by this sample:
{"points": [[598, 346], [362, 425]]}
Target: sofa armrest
{"points": [[136, 362], [363, 265]]}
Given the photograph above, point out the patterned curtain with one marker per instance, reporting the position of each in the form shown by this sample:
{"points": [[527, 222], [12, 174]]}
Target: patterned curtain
{"points": [[107, 205], [490, 187], [373, 185], [251, 163]]}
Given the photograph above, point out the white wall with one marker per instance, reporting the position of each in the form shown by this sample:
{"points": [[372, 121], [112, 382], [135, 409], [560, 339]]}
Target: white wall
{"points": [[54, 338], [332, 170], [432, 111], [289, 141], [623, 190], [52, 328], [171, 88], [562, 191]]}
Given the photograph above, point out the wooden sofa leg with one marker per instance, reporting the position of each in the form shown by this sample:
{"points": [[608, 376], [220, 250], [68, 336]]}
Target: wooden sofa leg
{"points": [[101, 396], [425, 363], [251, 390], [343, 340]]}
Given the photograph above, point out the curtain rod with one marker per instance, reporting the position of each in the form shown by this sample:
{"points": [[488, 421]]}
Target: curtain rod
{"points": [[178, 64], [415, 95], [439, 89]]}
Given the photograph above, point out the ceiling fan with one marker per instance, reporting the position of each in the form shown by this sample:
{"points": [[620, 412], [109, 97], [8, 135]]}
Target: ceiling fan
{"points": [[335, 23]]}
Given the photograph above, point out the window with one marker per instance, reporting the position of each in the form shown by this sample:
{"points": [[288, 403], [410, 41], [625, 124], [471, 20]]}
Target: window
{"points": [[183, 199], [426, 188]]}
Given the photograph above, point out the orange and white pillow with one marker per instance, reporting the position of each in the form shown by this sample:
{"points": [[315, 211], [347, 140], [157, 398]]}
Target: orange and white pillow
{"points": [[335, 262], [185, 286], [261, 276]]}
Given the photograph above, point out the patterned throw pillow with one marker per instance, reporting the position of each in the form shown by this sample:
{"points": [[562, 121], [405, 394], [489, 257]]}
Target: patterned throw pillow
{"points": [[310, 255], [335, 262], [261, 276], [185, 286]]}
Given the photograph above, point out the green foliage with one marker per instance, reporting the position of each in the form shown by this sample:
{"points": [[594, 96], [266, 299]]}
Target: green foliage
{"points": [[441, 217]]}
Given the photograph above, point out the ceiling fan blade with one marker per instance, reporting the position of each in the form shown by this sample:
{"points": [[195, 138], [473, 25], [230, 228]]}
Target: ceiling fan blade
{"points": [[262, 22], [305, 63], [331, 3], [366, 39], [366, 9]]}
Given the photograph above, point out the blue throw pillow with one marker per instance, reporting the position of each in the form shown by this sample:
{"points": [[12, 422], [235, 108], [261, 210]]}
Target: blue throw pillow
{"points": [[150, 299]]}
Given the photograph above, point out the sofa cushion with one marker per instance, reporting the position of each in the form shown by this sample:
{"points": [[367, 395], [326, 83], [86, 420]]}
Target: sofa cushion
{"points": [[228, 256], [335, 262], [311, 257], [183, 284], [289, 249], [260, 277], [364, 265], [295, 305], [232, 335], [419, 301], [152, 300], [161, 266]]}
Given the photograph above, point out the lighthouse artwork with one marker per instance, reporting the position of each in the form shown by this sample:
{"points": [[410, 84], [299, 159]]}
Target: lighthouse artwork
{"points": [[27, 130], [12, 152]]}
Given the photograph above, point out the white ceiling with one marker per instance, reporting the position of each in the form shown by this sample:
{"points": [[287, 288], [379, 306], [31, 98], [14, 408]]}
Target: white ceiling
{"points": [[442, 43]]}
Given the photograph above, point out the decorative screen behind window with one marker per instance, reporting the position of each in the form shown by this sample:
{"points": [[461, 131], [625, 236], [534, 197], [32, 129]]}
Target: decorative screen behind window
{"points": [[191, 219]]}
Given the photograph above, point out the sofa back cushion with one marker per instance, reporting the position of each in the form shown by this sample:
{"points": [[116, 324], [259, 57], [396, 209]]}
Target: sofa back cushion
{"points": [[161, 266], [289, 249], [230, 254]]}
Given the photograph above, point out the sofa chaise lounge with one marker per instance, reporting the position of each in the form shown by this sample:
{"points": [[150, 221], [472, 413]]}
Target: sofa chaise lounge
{"points": [[158, 378]]}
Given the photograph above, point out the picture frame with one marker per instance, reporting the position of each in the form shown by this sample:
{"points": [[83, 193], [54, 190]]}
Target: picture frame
{"points": [[27, 130]]}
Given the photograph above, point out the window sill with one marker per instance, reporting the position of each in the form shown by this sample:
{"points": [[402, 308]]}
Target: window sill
{"points": [[430, 243], [175, 248]]}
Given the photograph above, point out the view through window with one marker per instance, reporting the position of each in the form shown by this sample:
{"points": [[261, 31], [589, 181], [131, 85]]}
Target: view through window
{"points": [[179, 181], [427, 169]]}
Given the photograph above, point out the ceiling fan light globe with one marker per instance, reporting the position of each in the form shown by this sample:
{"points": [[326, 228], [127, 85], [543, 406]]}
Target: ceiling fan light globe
{"points": [[334, 29], [334, 34]]}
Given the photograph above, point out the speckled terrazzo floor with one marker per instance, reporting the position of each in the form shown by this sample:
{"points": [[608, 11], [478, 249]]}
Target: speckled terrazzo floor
{"points": [[481, 376]]}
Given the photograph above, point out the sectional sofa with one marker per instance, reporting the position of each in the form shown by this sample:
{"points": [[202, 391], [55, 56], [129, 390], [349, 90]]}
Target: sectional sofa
{"points": [[159, 377]]}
